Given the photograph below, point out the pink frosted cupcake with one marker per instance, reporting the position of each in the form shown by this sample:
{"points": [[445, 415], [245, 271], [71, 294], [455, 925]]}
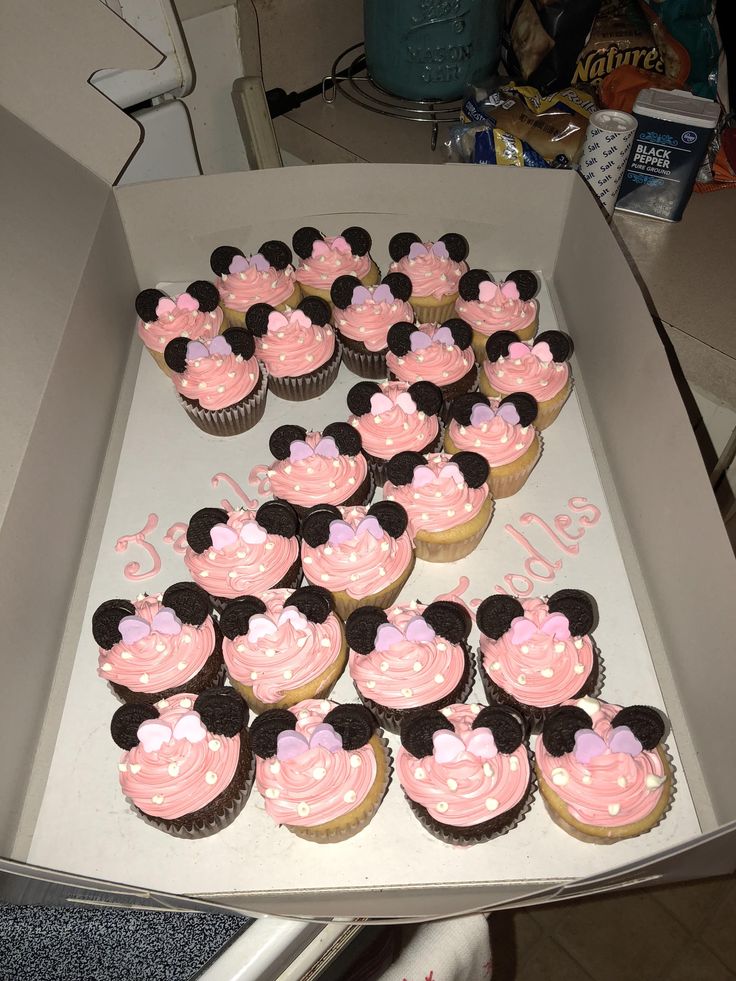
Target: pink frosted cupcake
{"points": [[489, 306], [362, 556], [219, 381], [434, 269], [193, 314], [363, 316], [242, 552], [409, 658], [267, 276], [325, 257], [502, 432], [540, 369], [298, 348], [465, 771], [395, 416]]}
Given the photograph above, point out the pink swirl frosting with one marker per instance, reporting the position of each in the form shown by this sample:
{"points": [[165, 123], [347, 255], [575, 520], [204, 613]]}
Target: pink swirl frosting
{"points": [[441, 504], [242, 568], [369, 323], [194, 324], [181, 776], [158, 661], [286, 659], [318, 785], [219, 380], [322, 270], [410, 673], [241, 290], [430, 274], [543, 671], [360, 566], [393, 430], [499, 441], [498, 312], [468, 790], [293, 345], [440, 363], [541, 379], [317, 479], [610, 790]]}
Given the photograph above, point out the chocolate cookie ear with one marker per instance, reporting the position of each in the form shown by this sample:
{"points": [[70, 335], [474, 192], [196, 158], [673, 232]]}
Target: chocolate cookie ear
{"points": [[462, 332], [448, 620], [313, 602], [462, 406], [222, 257], [281, 439], [353, 723], [205, 293], [265, 730], [400, 468], [507, 727], [201, 524], [456, 245], [400, 244], [360, 395], [106, 622], [146, 303], [189, 601], [256, 318], [645, 722], [525, 404], [560, 726], [347, 438], [222, 711], [241, 342], [362, 626], [495, 614], [276, 253], [124, 723], [577, 606], [392, 517], [417, 731], [399, 284], [278, 518], [497, 345], [427, 397], [358, 239], [235, 618], [526, 282], [398, 338], [469, 284], [303, 241], [175, 354], [317, 309], [316, 524], [559, 344], [472, 466], [341, 291]]}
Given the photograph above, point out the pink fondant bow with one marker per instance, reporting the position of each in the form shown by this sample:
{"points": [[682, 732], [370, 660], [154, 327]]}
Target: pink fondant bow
{"points": [[437, 248], [136, 628], [299, 449], [589, 745], [541, 351], [241, 264], [481, 413], [153, 733], [417, 631], [556, 625], [184, 303], [251, 533], [218, 347], [342, 531], [278, 321], [426, 475], [261, 625], [338, 244], [488, 291], [382, 403], [448, 746], [290, 744]]}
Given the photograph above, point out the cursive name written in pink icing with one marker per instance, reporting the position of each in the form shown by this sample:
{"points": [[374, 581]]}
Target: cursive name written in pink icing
{"points": [[132, 570], [225, 478]]}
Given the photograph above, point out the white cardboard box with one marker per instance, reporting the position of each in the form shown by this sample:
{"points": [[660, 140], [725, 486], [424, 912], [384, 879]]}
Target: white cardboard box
{"points": [[75, 252]]}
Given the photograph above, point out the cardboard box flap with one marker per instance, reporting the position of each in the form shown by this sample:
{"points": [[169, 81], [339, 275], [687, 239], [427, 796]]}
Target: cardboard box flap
{"points": [[47, 84]]}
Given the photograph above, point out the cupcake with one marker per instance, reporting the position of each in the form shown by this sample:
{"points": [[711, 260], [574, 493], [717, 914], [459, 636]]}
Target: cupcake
{"points": [[409, 658], [535, 654], [265, 277], [219, 382], [326, 467], [187, 766], [465, 771], [283, 646], [321, 768], [362, 556], [502, 432], [324, 258], [362, 317], [489, 306], [540, 370], [603, 770], [297, 347], [243, 552], [434, 269], [193, 314], [158, 646], [442, 354], [447, 499], [395, 416]]}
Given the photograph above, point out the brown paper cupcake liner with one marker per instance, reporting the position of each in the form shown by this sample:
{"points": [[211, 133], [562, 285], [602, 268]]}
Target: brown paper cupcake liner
{"points": [[233, 420], [362, 362], [301, 388], [378, 466]]}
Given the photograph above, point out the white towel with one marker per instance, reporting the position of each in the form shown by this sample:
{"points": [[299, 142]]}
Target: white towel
{"points": [[447, 950]]}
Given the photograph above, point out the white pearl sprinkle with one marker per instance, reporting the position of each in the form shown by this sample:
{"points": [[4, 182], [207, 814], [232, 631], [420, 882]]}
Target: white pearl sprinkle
{"points": [[173, 769], [349, 797], [419, 773], [302, 809], [488, 769], [181, 665], [579, 668], [106, 666], [275, 767], [587, 779], [491, 803], [578, 642], [288, 674], [272, 793], [185, 703], [370, 684], [439, 678], [135, 768], [210, 777], [417, 666], [546, 672], [521, 679], [125, 655], [144, 678], [214, 745], [442, 806], [451, 783], [355, 761], [524, 649], [186, 639], [613, 809], [559, 648], [407, 692], [160, 648], [319, 772], [513, 764], [621, 782], [122, 767], [560, 776], [157, 799], [653, 782]]}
